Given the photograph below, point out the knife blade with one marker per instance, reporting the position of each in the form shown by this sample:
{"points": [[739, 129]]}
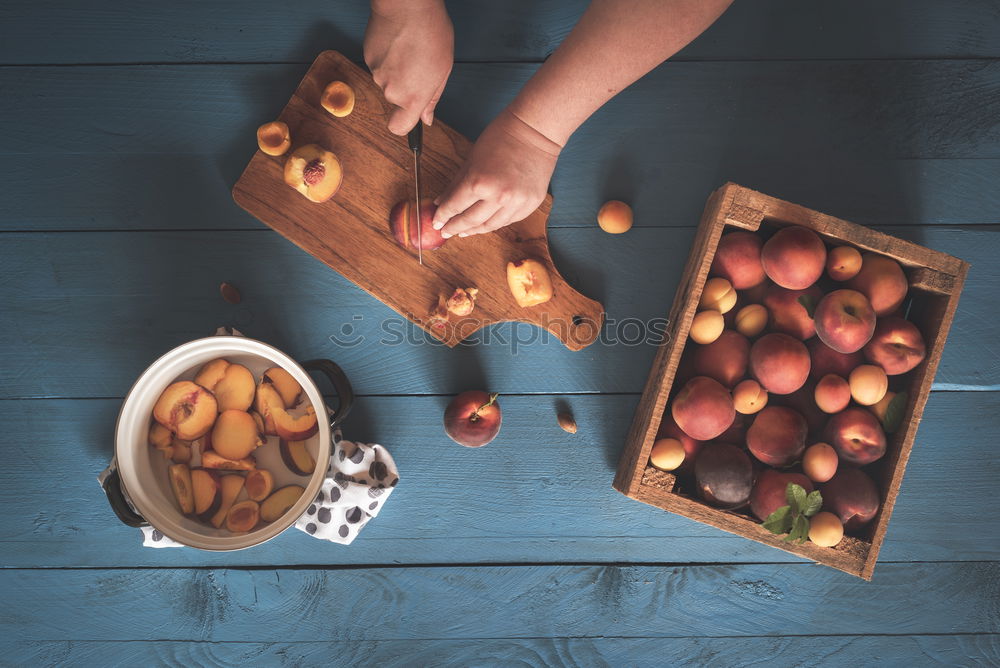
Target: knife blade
{"points": [[416, 141]]}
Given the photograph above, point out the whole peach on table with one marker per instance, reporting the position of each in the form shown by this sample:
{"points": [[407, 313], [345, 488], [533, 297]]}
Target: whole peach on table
{"points": [[832, 393], [856, 435], [825, 529], [751, 320], [868, 384], [770, 491], [724, 359], [718, 295], [794, 257], [825, 360], [819, 462], [706, 326], [703, 408], [737, 259], [667, 454], [882, 281], [615, 217], [852, 496], [777, 436], [779, 362], [845, 320], [749, 397], [473, 418], [788, 314], [897, 346], [843, 263], [669, 429]]}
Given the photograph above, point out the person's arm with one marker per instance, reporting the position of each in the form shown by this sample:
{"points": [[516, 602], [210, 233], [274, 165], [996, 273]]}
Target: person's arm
{"points": [[614, 44], [409, 47]]}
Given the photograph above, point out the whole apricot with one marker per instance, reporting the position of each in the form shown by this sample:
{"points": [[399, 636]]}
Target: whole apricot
{"points": [[868, 384], [832, 393], [825, 529], [751, 320], [718, 295], [749, 397], [707, 326], [819, 462], [615, 217], [667, 454], [843, 263]]}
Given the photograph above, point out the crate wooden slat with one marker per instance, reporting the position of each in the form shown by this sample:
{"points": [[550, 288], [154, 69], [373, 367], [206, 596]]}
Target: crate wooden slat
{"points": [[936, 281]]}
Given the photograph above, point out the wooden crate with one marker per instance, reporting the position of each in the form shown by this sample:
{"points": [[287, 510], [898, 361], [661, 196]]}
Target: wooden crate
{"points": [[936, 281]]}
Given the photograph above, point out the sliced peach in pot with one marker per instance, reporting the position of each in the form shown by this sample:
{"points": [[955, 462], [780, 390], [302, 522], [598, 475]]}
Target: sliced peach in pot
{"points": [[259, 484], [529, 282], [205, 488], [211, 460], [211, 373], [180, 483], [297, 457], [235, 435], [231, 485], [279, 502], [286, 425], [187, 409], [314, 172], [232, 384], [288, 388], [159, 436], [338, 99], [273, 138], [243, 516], [180, 451]]}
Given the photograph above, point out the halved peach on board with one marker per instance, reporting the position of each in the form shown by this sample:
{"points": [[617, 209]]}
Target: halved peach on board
{"points": [[296, 457], [273, 138], [259, 484], [243, 516], [186, 409], [288, 388], [232, 384], [180, 483], [279, 502], [529, 282], [338, 99], [231, 485], [314, 172], [211, 460], [205, 489], [235, 435]]}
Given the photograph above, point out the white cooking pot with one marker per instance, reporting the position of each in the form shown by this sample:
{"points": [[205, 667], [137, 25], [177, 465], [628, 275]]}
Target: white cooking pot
{"points": [[138, 488]]}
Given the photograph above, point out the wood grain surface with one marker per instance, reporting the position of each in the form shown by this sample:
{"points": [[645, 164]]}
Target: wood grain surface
{"points": [[351, 234]]}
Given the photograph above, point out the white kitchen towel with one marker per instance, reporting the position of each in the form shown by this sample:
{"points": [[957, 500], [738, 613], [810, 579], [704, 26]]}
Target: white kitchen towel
{"points": [[358, 482]]}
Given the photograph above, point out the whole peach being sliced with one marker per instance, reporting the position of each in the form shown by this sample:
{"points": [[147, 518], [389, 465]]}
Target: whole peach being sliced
{"points": [[529, 282], [186, 409], [882, 281], [779, 362], [404, 224], [703, 408], [845, 320], [473, 418], [897, 346], [794, 257], [856, 435], [314, 172], [724, 359], [777, 436], [789, 314], [737, 259], [235, 435]]}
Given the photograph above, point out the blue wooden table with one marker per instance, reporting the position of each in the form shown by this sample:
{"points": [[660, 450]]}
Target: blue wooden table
{"points": [[124, 127]]}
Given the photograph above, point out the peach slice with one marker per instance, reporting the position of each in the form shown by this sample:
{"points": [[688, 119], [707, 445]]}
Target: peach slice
{"points": [[288, 388], [273, 138], [205, 488], [180, 451], [278, 503], [186, 409], [462, 302], [314, 172], [259, 484], [211, 460], [232, 384], [529, 282], [231, 486], [180, 483], [243, 516], [159, 436], [287, 426], [338, 99], [235, 435], [297, 457]]}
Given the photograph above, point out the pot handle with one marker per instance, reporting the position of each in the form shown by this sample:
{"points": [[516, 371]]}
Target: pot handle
{"points": [[345, 394], [113, 488]]}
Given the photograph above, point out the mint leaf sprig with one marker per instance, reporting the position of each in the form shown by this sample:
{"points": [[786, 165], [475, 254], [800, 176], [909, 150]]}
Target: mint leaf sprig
{"points": [[793, 519]]}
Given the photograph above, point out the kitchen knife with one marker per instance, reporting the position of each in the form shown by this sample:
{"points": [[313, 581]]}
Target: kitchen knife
{"points": [[416, 142]]}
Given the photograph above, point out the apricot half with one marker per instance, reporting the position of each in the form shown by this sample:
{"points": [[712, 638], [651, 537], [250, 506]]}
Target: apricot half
{"points": [[243, 516], [288, 388], [289, 427], [314, 172], [232, 384], [273, 138], [529, 282], [186, 409], [338, 99]]}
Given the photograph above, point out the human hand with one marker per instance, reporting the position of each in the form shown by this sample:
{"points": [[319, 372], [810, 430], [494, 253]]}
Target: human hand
{"points": [[503, 180], [409, 47]]}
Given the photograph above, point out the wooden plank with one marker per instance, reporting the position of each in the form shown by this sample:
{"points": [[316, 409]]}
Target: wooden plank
{"points": [[155, 290], [847, 651], [187, 31], [350, 232], [496, 602], [129, 139], [535, 494]]}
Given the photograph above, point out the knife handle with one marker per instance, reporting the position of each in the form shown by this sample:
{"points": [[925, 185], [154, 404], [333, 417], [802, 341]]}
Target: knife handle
{"points": [[416, 138]]}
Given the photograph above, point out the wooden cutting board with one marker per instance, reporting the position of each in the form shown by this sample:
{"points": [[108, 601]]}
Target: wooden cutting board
{"points": [[350, 233]]}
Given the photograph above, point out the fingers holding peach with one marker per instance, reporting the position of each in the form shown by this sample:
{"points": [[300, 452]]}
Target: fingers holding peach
{"points": [[412, 230]]}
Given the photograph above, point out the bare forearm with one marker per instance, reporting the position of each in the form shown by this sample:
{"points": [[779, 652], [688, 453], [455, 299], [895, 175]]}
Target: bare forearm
{"points": [[615, 43]]}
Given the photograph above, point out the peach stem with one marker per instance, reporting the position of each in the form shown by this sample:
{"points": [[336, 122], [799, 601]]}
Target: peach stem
{"points": [[493, 399]]}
